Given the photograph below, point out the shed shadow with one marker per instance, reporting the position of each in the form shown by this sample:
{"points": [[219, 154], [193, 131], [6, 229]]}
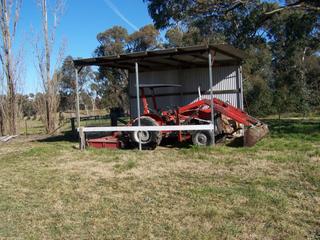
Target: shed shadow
{"points": [[63, 137]]}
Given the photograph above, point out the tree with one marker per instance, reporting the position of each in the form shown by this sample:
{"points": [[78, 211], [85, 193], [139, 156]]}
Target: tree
{"points": [[112, 84], [177, 37], [8, 62], [112, 41], [306, 5], [257, 72], [2, 104], [293, 39], [278, 37], [67, 84], [166, 13], [26, 105], [2, 115], [146, 38], [49, 76], [312, 64]]}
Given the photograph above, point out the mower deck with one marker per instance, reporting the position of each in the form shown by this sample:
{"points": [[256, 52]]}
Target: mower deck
{"points": [[111, 142]]}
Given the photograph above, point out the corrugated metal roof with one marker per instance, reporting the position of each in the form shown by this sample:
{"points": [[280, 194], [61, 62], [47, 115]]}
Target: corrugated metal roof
{"points": [[182, 57]]}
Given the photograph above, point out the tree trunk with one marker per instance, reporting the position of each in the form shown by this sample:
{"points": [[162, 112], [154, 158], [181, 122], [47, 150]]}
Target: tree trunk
{"points": [[12, 114], [1, 121], [50, 107], [7, 64], [93, 102]]}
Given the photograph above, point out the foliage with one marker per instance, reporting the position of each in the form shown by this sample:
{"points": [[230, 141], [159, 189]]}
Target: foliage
{"points": [[312, 64], [279, 38], [144, 39], [112, 84], [26, 105], [67, 86]]}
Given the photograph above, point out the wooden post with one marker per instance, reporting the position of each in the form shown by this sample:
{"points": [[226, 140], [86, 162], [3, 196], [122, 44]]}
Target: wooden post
{"points": [[73, 127], [81, 133], [26, 126], [82, 139], [77, 99]]}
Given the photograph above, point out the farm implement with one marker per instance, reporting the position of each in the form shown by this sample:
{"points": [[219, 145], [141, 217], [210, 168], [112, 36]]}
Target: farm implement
{"points": [[229, 122]]}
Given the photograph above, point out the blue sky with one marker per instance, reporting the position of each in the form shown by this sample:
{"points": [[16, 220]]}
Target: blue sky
{"points": [[79, 26]]}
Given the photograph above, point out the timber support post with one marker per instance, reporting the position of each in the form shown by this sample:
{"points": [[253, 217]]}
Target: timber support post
{"points": [[82, 139], [81, 133]]}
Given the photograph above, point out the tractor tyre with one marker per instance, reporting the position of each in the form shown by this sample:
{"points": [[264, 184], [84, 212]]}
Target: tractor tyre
{"points": [[149, 139], [202, 138]]}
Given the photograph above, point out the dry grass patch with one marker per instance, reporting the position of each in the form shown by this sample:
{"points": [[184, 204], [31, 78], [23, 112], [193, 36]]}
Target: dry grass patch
{"points": [[50, 190]]}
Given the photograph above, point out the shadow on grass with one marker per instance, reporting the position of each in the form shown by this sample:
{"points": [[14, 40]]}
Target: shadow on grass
{"points": [[278, 128], [174, 143], [64, 137], [236, 143]]}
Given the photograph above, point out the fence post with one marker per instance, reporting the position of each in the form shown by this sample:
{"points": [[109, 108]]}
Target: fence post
{"points": [[82, 139], [26, 126]]}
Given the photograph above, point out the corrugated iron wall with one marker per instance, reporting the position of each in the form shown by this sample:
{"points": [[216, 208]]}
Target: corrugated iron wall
{"points": [[226, 80]]}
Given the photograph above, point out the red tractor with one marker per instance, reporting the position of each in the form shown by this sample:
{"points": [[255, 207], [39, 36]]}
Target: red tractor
{"points": [[228, 120]]}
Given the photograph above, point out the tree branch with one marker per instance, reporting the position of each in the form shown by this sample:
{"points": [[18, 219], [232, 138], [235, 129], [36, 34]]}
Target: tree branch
{"points": [[298, 4], [16, 18]]}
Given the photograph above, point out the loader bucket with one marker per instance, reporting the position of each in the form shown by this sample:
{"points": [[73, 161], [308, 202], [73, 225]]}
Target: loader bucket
{"points": [[254, 134]]}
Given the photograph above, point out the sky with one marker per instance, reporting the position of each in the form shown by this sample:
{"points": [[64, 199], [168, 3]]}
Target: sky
{"points": [[79, 26]]}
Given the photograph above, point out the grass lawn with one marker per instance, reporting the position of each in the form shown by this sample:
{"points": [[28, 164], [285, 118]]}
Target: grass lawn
{"points": [[51, 190]]}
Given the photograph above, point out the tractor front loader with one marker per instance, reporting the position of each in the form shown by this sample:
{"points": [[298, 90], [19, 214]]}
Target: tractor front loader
{"points": [[228, 121]]}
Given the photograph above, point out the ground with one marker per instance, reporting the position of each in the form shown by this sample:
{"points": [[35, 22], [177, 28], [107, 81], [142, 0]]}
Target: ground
{"points": [[51, 190]]}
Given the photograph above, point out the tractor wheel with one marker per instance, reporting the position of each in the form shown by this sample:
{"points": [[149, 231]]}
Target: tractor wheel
{"points": [[202, 138], [149, 139]]}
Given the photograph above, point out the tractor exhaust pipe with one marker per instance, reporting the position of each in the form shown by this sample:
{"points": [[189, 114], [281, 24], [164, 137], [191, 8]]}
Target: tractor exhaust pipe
{"points": [[254, 134]]}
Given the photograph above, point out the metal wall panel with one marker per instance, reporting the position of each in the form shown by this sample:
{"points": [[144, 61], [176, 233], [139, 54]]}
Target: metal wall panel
{"points": [[224, 78]]}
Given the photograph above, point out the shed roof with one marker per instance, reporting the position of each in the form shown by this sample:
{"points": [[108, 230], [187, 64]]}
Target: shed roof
{"points": [[173, 58]]}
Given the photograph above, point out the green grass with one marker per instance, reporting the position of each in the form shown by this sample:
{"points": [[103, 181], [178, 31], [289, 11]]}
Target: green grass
{"points": [[51, 190]]}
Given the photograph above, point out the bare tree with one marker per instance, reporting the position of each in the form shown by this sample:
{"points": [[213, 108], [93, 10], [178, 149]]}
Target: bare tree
{"points": [[50, 78], [8, 62]]}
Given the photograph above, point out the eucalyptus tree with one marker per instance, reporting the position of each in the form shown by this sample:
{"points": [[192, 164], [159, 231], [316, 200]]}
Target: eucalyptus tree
{"points": [[67, 85], [112, 84], [278, 37]]}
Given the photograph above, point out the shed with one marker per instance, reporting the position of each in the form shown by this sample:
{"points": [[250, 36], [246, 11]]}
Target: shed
{"points": [[185, 66]]}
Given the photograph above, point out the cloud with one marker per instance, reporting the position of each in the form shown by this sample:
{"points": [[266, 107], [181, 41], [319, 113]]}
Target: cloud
{"points": [[116, 11]]}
